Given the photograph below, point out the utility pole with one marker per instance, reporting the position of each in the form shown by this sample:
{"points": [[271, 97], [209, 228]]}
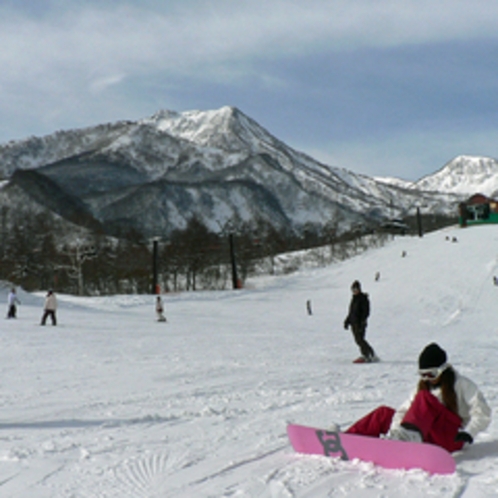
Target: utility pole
{"points": [[235, 279], [154, 267], [419, 223]]}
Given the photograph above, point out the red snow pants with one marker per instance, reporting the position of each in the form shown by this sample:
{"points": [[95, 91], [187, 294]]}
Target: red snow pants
{"points": [[437, 424]]}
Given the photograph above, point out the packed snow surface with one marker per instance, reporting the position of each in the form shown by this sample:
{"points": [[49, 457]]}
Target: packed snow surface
{"points": [[110, 403]]}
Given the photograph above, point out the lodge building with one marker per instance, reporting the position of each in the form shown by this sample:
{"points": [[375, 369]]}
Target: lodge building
{"points": [[478, 209]]}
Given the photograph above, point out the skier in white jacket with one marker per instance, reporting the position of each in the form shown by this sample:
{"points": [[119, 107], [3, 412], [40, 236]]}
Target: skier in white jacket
{"points": [[11, 302], [50, 308]]}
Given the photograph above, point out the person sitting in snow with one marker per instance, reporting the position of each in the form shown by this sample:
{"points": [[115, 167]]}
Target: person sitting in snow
{"points": [[446, 409], [359, 310]]}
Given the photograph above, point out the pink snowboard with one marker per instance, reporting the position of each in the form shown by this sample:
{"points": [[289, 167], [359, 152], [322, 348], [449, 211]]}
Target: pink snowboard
{"points": [[383, 452]]}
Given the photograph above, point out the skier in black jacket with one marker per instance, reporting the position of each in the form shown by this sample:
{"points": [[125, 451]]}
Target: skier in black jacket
{"points": [[359, 310]]}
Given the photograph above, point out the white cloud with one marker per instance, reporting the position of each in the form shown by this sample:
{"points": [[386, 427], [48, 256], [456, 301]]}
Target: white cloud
{"points": [[78, 63], [101, 84], [198, 35]]}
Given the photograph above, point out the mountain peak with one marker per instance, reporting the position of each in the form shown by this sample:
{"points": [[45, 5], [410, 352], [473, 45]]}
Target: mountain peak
{"points": [[219, 165], [226, 128], [464, 174]]}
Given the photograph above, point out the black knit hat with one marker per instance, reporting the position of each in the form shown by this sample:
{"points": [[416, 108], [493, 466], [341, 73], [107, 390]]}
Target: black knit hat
{"points": [[431, 357], [356, 285]]}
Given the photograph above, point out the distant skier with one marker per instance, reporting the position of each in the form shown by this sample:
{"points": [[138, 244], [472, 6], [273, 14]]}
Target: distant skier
{"points": [[160, 310], [308, 307], [359, 311], [50, 308], [12, 301]]}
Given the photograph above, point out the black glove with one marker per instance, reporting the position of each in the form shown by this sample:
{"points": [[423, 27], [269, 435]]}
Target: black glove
{"points": [[464, 437], [346, 324]]}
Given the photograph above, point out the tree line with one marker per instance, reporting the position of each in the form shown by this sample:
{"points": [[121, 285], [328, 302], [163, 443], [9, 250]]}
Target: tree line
{"points": [[42, 251]]}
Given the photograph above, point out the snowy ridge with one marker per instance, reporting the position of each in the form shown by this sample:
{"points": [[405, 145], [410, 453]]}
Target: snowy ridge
{"points": [[155, 174], [394, 181], [464, 175], [111, 403], [34, 152]]}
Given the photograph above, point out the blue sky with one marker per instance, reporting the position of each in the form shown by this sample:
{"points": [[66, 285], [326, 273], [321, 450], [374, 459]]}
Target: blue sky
{"points": [[380, 87]]}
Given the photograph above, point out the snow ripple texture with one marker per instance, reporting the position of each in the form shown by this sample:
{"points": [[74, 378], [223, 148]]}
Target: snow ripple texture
{"points": [[144, 477]]}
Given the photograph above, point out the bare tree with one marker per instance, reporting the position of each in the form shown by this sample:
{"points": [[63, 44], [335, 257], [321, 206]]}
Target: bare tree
{"points": [[76, 256]]}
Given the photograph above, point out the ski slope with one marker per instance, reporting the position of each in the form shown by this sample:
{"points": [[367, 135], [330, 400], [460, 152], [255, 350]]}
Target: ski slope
{"points": [[111, 403]]}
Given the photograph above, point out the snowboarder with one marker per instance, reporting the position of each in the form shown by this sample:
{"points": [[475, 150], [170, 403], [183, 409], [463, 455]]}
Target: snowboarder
{"points": [[50, 308], [308, 307], [12, 301], [359, 311], [160, 310], [447, 409]]}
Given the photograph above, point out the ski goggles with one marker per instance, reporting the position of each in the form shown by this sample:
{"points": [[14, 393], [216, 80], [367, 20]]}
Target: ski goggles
{"points": [[433, 373]]}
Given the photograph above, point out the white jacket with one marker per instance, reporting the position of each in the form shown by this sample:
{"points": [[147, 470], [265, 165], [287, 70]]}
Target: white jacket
{"points": [[12, 299], [472, 407], [50, 303]]}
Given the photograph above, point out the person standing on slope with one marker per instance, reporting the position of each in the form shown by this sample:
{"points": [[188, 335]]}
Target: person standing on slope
{"points": [[446, 409], [359, 311], [50, 308], [11, 302], [160, 310]]}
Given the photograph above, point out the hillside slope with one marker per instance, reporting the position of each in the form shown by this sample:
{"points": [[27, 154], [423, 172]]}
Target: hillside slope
{"points": [[124, 172], [116, 404]]}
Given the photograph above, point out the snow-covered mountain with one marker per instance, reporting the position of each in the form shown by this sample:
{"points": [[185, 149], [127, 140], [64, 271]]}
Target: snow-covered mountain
{"points": [[398, 182], [155, 174], [464, 175]]}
